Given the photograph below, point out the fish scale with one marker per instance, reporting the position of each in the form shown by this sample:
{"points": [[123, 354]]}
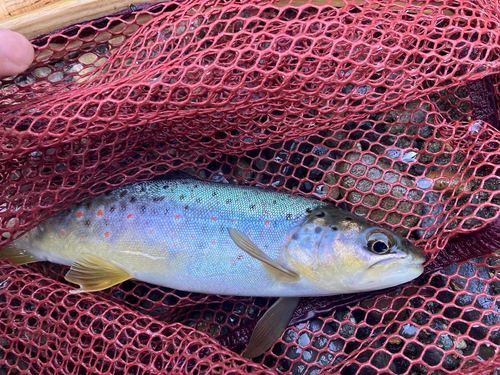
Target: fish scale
{"points": [[219, 239], [182, 228]]}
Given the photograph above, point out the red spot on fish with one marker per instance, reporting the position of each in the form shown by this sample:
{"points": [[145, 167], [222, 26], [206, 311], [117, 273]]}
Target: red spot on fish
{"points": [[100, 213], [82, 237], [232, 221], [79, 214], [192, 237], [227, 242], [213, 218], [177, 217], [175, 245], [213, 242], [151, 231], [240, 257], [266, 223], [63, 233], [130, 216], [106, 234]]}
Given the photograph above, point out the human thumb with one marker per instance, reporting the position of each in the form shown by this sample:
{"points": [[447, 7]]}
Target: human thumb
{"points": [[16, 53]]}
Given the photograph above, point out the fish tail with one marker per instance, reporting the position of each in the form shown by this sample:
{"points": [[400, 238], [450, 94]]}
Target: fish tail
{"points": [[16, 255]]}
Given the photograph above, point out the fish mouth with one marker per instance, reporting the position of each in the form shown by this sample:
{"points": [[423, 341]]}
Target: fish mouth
{"points": [[391, 272], [416, 255], [417, 267], [415, 263]]}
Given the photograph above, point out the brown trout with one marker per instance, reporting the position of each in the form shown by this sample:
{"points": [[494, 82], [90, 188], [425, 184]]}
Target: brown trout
{"points": [[221, 239]]}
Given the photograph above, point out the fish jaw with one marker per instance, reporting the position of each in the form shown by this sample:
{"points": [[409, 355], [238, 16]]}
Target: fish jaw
{"points": [[386, 274]]}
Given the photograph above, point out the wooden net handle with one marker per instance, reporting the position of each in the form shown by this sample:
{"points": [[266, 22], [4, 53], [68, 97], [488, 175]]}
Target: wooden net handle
{"points": [[33, 21]]}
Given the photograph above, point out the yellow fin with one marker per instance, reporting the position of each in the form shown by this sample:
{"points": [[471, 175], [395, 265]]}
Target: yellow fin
{"points": [[94, 274], [271, 326], [16, 255], [246, 244]]}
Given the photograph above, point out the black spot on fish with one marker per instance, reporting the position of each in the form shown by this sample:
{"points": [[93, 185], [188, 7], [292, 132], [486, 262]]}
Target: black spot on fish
{"points": [[228, 201], [112, 209], [142, 209], [308, 210], [166, 211], [158, 199], [123, 193], [186, 207], [86, 223], [252, 206], [123, 207], [295, 237], [182, 196], [317, 230], [321, 214], [133, 199], [165, 187], [195, 186], [214, 194], [274, 201], [335, 228], [349, 218], [198, 200], [288, 216], [142, 189]]}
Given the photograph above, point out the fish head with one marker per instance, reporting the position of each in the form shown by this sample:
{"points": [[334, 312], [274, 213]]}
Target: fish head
{"points": [[342, 253]]}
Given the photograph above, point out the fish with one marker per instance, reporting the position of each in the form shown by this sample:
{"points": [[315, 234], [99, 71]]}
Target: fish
{"points": [[224, 239]]}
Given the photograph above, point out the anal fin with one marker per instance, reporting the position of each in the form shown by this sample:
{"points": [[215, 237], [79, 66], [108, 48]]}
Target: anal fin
{"points": [[94, 274], [271, 326], [16, 255]]}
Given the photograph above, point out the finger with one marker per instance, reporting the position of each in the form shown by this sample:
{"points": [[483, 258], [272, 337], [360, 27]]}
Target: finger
{"points": [[16, 53]]}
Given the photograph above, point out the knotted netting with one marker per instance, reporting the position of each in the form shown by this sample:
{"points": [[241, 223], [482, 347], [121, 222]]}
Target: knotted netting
{"points": [[386, 108]]}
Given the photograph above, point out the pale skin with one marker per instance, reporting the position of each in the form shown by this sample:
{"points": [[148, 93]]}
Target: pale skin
{"points": [[16, 53]]}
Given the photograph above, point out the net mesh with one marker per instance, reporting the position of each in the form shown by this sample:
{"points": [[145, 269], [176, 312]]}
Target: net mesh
{"points": [[366, 104]]}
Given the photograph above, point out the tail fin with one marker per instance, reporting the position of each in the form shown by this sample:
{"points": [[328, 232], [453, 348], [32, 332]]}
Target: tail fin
{"points": [[16, 255]]}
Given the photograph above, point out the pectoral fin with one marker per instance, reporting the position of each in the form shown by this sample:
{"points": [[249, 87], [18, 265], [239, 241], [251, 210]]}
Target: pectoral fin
{"points": [[16, 255], [271, 326], [246, 244], [94, 274]]}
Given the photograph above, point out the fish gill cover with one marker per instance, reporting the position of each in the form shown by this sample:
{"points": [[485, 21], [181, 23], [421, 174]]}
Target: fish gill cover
{"points": [[372, 105]]}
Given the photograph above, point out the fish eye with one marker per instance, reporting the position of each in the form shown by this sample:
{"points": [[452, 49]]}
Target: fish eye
{"points": [[379, 242], [378, 247]]}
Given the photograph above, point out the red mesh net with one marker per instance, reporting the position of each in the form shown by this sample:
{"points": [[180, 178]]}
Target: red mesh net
{"points": [[367, 104]]}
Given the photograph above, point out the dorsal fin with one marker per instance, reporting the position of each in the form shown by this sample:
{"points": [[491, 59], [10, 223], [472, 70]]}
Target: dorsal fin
{"points": [[175, 175]]}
